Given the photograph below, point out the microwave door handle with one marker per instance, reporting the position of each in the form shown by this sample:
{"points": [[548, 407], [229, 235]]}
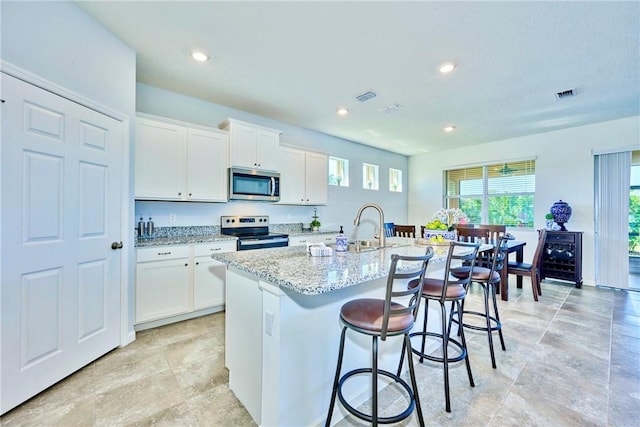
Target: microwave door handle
{"points": [[273, 186]]}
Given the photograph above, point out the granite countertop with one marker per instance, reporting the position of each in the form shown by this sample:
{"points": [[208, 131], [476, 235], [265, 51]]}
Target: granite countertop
{"points": [[181, 240], [311, 233], [164, 236], [293, 268]]}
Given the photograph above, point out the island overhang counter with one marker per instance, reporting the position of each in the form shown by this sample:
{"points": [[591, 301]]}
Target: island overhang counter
{"points": [[282, 327]]}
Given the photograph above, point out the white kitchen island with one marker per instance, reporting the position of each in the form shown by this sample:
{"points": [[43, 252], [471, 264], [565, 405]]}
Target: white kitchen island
{"points": [[283, 327]]}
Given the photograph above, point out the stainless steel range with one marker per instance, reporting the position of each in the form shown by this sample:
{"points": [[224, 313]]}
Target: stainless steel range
{"points": [[252, 232]]}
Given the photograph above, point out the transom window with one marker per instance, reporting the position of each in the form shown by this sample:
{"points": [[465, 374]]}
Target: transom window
{"points": [[338, 172], [395, 180], [494, 194], [369, 176]]}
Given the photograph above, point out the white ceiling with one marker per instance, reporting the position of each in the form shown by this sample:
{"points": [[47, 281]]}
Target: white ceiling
{"points": [[297, 62]]}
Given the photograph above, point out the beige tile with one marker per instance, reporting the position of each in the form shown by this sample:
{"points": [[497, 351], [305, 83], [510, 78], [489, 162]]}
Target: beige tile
{"points": [[175, 416], [138, 400], [219, 407], [70, 399], [203, 375], [121, 368]]}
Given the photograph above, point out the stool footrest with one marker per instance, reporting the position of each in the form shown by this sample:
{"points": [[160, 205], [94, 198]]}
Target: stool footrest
{"points": [[457, 344], [497, 327], [367, 417]]}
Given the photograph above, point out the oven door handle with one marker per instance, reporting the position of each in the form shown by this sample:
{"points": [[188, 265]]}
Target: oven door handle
{"points": [[273, 186], [258, 242]]}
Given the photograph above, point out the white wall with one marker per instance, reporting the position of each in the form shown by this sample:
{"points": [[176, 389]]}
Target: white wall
{"points": [[564, 170], [343, 202], [59, 43]]}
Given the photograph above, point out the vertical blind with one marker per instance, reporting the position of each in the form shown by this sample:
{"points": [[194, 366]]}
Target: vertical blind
{"points": [[613, 180]]}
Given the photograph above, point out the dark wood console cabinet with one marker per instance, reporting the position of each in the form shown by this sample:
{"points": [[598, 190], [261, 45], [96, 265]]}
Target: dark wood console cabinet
{"points": [[562, 257]]}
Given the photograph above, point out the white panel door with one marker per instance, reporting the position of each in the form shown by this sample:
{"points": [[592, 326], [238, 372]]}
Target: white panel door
{"points": [[61, 210]]}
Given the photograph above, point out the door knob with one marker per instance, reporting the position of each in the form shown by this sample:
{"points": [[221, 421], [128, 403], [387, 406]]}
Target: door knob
{"points": [[116, 245]]}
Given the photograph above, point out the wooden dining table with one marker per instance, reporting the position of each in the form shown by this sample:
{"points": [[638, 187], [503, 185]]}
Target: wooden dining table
{"points": [[517, 247]]}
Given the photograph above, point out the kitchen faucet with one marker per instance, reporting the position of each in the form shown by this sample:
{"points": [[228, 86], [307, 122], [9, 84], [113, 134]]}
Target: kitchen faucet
{"points": [[381, 234]]}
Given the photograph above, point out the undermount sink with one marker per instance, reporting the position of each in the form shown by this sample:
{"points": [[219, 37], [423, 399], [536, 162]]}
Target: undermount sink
{"points": [[367, 245]]}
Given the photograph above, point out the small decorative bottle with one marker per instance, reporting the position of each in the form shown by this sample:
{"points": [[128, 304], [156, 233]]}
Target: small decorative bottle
{"points": [[341, 241], [142, 228], [150, 228]]}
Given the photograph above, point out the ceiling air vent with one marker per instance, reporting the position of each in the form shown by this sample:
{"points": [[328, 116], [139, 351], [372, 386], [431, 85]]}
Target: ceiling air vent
{"points": [[391, 108], [566, 94], [366, 96]]}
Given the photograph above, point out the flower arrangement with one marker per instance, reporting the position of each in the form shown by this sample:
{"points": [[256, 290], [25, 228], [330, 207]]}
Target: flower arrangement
{"points": [[450, 217]]}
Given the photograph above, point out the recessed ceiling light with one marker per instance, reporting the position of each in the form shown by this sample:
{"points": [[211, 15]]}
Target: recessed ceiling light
{"points": [[343, 111], [200, 56], [449, 128], [447, 67]]}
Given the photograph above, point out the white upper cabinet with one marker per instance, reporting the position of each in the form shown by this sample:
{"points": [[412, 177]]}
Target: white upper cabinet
{"points": [[303, 177], [180, 162], [206, 166], [160, 160], [252, 146]]}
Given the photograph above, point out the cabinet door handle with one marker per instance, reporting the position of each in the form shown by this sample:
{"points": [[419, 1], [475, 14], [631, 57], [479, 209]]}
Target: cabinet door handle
{"points": [[189, 194], [164, 253], [116, 245], [215, 249], [186, 264], [198, 263], [179, 194]]}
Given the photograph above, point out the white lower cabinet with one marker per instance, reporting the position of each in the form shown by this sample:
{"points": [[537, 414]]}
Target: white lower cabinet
{"points": [[209, 276], [312, 238], [178, 280]]}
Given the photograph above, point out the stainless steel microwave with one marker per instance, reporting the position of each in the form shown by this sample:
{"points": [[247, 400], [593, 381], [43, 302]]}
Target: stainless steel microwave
{"points": [[254, 184]]}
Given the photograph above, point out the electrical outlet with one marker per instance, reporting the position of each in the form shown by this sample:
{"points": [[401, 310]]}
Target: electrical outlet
{"points": [[172, 217], [268, 323]]}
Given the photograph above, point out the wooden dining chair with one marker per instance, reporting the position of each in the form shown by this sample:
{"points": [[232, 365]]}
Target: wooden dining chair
{"points": [[496, 231], [405, 231], [531, 270], [473, 235]]}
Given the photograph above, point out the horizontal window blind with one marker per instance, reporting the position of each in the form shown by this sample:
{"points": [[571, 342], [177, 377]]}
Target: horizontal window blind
{"points": [[499, 193]]}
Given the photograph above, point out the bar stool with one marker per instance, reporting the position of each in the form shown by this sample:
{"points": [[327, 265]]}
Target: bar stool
{"points": [[489, 279], [382, 318], [453, 291]]}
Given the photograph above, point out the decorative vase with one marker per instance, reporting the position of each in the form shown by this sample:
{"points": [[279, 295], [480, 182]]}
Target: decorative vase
{"points": [[561, 212], [446, 234]]}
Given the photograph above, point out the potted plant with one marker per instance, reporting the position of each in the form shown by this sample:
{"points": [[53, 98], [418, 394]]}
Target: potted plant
{"points": [[315, 224]]}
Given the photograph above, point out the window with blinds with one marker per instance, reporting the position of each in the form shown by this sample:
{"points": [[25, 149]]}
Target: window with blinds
{"points": [[338, 172], [493, 194]]}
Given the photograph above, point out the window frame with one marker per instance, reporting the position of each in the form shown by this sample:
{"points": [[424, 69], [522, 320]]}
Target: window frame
{"points": [[398, 180], [375, 184], [339, 180], [485, 196]]}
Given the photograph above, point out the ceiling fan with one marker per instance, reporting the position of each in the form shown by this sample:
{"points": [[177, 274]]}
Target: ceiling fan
{"points": [[506, 170]]}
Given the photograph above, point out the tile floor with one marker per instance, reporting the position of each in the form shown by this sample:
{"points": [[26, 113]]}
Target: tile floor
{"points": [[572, 359]]}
